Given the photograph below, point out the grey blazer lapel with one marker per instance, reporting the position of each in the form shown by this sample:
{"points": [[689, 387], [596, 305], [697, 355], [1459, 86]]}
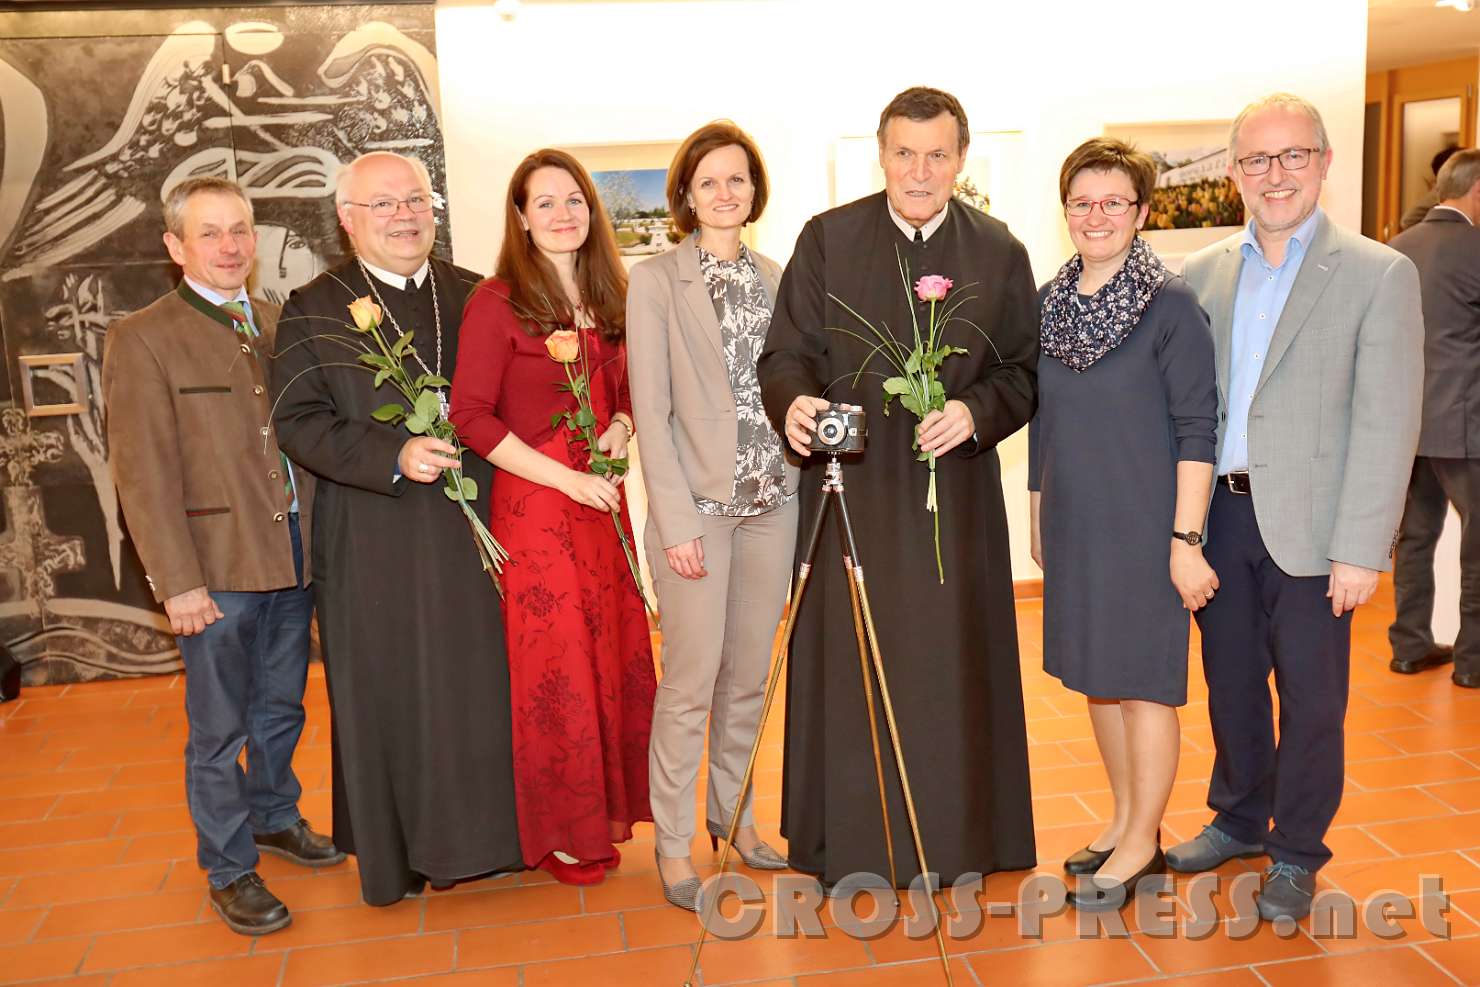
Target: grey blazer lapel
{"points": [[1316, 271], [1224, 290], [696, 293]]}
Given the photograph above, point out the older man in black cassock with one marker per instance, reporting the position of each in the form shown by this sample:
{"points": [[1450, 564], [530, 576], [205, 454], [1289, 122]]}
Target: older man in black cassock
{"points": [[950, 649], [412, 628]]}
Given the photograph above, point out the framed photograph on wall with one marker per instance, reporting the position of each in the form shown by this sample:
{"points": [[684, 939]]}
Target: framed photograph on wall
{"points": [[631, 179], [989, 181], [1194, 203]]}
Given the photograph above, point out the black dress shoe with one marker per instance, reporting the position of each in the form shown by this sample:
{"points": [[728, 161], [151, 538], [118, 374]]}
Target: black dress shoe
{"points": [[1440, 654], [1466, 680], [1092, 895], [300, 844], [247, 907], [1087, 861]]}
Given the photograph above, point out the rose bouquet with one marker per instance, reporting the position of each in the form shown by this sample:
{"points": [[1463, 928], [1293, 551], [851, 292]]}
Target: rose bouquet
{"points": [[916, 381], [567, 348], [426, 415]]}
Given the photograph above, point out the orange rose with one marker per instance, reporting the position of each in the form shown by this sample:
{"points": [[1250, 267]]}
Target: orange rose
{"points": [[563, 345], [365, 313]]}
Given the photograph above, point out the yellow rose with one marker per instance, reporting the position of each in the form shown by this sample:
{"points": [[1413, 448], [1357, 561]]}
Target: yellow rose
{"points": [[365, 313], [563, 345]]}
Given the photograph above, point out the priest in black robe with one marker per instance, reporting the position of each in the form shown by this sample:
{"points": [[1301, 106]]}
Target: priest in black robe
{"points": [[950, 650], [411, 626]]}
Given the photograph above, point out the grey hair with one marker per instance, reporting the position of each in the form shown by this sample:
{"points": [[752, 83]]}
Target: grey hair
{"points": [[175, 199], [1459, 175], [346, 173], [1279, 101]]}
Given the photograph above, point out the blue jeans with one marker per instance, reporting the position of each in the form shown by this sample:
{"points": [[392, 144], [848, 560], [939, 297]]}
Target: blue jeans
{"points": [[244, 679]]}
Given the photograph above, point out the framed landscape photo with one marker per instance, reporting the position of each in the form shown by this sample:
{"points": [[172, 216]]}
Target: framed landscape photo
{"points": [[631, 180], [1195, 202]]}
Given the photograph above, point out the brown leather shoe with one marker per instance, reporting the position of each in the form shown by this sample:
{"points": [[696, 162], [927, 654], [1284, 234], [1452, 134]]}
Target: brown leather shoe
{"points": [[300, 844], [247, 907]]}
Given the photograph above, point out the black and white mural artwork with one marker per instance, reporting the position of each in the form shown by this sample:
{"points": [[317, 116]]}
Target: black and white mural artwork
{"points": [[100, 115]]}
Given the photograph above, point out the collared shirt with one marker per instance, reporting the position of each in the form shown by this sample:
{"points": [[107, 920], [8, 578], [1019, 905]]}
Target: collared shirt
{"points": [[397, 280], [1458, 212], [908, 228], [216, 298], [1263, 290]]}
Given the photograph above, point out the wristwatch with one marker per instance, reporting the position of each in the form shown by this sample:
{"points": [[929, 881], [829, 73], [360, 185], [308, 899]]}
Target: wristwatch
{"points": [[1190, 537]]}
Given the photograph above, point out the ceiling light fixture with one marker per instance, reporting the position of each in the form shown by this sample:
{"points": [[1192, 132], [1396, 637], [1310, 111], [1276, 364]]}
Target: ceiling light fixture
{"points": [[1463, 6]]}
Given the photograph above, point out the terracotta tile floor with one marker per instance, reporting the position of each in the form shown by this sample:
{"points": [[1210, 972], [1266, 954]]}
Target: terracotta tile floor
{"points": [[98, 884]]}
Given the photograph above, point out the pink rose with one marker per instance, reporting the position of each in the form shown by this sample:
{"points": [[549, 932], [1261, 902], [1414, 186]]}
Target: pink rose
{"points": [[933, 287], [563, 345], [365, 313]]}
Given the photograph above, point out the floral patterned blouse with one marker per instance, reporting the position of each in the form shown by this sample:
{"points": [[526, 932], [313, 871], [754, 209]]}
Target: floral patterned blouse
{"points": [[744, 315]]}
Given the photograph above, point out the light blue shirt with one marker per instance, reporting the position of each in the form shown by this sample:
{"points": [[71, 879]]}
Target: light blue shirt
{"points": [[216, 298], [1263, 290]]}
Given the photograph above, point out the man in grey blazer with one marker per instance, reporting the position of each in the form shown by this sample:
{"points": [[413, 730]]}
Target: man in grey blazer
{"points": [[1319, 341], [1445, 248]]}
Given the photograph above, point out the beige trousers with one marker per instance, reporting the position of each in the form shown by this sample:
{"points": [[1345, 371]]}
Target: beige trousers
{"points": [[717, 637]]}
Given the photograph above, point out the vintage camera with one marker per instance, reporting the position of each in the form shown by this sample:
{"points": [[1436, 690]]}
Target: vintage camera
{"points": [[840, 428]]}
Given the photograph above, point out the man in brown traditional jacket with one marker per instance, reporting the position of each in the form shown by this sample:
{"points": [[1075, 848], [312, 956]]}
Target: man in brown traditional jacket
{"points": [[213, 507]]}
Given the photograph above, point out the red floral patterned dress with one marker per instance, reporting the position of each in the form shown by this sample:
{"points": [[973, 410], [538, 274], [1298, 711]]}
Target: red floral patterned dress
{"points": [[580, 659]]}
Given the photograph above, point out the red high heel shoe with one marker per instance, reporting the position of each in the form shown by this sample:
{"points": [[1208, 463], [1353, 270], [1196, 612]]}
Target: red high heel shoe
{"points": [[614, 861], [582, 873]]}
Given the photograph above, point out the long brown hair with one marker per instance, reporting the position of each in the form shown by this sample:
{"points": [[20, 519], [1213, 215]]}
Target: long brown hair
{"points": [[534, 286]]}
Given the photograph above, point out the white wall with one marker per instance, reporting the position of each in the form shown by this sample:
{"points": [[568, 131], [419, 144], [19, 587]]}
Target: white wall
{"points": [[799, 73]]}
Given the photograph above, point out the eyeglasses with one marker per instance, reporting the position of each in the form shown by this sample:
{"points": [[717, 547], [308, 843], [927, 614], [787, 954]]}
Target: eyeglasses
{"points": [[386, 206], [1291, 159], [1113, 206]]}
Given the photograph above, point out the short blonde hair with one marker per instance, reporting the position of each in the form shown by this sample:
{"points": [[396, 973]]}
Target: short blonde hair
{"points": [[176, 198], [1278, 101]]}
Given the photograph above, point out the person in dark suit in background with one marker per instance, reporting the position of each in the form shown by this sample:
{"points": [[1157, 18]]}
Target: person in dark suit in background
{"points": [[1420, 209], [1445, 248]]}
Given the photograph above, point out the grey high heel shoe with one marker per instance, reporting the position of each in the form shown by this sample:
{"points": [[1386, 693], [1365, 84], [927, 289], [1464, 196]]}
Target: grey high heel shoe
{"points": [[684, 894], [760, 857]]}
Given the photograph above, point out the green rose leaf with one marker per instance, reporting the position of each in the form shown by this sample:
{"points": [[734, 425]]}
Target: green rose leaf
{"points": [[912, 365], [584, 418], [433, 380], [416, 425], [896, 385], [376, 360], [381, 375], [469, 488], [399, 349], [555, 418], [388, 413], [428, 408], [450, 493]]}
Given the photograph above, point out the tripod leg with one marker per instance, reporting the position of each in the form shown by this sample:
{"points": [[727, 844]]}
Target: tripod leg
{"points": [[868, 696], [904, 778], [804, 572]]}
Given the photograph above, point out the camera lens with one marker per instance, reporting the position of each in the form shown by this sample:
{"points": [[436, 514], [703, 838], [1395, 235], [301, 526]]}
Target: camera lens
{"points": [[830, 431]]}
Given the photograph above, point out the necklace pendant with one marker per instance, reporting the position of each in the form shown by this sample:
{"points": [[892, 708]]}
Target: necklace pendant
{"points": [[442, 403]]}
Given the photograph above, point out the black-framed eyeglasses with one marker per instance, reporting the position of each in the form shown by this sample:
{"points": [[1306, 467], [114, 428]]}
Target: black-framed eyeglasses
{"points": [[1291, 159], [385, 206], [1112, 206]]}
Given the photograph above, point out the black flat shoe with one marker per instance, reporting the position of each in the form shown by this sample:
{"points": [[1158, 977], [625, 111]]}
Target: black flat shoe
{"points": [[1466, 680], [1087, 861], [1442, 654], [1090, 895]]}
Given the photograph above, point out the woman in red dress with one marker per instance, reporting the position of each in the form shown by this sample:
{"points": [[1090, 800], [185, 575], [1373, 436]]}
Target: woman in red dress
{"points": [[580, 660]]}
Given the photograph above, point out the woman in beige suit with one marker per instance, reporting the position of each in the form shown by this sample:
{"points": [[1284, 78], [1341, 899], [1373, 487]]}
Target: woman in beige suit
{"points": [[722, 511]]}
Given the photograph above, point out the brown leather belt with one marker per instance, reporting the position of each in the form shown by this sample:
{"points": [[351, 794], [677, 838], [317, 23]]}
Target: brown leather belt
{"points": [[1238, 482]]}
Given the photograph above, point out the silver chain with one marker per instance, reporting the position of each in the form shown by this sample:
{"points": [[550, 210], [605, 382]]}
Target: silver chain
{"points": [[436, 316]]}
